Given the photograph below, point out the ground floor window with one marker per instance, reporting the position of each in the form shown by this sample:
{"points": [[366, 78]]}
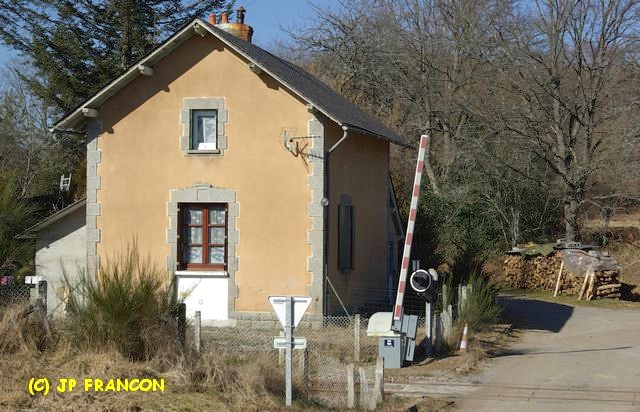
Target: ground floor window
{"points": [[203, 236]]}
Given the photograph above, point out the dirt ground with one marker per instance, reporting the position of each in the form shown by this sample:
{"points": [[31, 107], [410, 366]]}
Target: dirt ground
{"points": [[458, 368]]}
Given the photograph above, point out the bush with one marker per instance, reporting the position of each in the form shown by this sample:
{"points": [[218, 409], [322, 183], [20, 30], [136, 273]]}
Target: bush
{"points": [[480, 309], [128, 306]]}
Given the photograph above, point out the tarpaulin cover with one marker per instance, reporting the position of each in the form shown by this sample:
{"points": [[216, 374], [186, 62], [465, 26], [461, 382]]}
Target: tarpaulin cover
{"points": [[533, 249], [579, 262]]}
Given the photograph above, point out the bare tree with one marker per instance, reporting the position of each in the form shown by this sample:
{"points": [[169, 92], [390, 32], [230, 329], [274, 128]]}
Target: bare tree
{"points": [[529, 103], [570, 68], [30, 156], [414, 63]]}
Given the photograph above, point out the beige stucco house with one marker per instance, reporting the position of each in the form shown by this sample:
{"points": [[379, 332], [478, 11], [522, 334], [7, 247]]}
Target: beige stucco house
{"points": [[242, 173]]}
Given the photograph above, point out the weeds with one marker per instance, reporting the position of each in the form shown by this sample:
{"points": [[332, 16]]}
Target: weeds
{"points": [[18, 334], [128, 307], [480, 309]]}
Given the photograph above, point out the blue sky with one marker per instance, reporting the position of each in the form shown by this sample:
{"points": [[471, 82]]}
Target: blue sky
{"points": [[266, 17]]}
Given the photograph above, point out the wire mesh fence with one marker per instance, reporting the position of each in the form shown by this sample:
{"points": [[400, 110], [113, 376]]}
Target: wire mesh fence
{"points": [[337, 369], [13, 292]]}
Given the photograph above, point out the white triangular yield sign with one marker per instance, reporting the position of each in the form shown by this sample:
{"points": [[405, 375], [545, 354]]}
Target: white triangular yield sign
{"points": [[299, 306]]}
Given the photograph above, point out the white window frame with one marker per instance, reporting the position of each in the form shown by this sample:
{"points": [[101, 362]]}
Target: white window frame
{"points": [[194, 140], [191, 104]]}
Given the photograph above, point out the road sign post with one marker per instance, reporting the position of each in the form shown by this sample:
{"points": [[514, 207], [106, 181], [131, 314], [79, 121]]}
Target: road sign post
{"points": [[288, 335], [290, 310]]}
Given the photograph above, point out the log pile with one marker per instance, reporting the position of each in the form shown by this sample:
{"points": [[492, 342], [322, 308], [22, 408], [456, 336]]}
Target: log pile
{"points": [[541, 273], [605, 284]]}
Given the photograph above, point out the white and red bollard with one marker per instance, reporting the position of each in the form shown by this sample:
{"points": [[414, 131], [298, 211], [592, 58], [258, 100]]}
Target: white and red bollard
{"points": [[464, 343]]}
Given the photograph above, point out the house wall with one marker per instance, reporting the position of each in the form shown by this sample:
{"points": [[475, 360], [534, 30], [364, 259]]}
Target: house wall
{"points": [[60, 251], [359, 167], [140, 162]]}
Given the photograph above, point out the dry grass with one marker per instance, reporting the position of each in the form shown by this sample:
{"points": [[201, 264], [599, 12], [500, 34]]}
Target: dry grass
{"points": [[628, 255], [208, 382], [17, 332]]}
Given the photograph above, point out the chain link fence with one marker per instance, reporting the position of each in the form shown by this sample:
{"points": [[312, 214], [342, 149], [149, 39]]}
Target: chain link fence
{"points": [[13, 292], [339, 368]]}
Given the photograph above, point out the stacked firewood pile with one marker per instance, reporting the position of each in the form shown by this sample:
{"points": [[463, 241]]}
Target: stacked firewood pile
{"points": [[541, 273], [604, 284], [538, 272]]}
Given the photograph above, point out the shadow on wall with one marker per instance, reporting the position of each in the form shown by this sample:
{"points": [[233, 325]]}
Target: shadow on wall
{"points": [[534, 314]]}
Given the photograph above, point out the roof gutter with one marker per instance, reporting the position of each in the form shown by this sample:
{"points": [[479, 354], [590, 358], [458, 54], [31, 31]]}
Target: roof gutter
{"points": [[356, 129], [54, 129]]}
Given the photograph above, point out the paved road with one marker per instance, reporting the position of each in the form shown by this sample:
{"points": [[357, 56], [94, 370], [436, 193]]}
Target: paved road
{"points": [[570, 359]]}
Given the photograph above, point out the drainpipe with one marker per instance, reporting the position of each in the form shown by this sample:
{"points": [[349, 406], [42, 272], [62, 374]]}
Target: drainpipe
{"points": [[327, 225]]}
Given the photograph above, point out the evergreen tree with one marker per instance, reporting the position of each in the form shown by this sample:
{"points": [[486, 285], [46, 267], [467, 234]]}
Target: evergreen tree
{"points": [[78, 46]]}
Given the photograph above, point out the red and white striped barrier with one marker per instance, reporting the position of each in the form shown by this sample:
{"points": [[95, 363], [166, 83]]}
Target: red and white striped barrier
{"points": [[402, 282]]}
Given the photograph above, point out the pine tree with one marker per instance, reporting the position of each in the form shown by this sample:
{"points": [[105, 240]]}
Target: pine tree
{"points": [[76, 47]]}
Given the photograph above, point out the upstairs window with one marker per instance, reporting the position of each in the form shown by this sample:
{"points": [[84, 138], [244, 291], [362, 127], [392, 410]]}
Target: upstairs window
{"points": [[203, 237], [204, 130]]}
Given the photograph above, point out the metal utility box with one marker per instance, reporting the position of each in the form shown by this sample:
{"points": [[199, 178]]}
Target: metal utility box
{"points": [[390, 348], [394, 347]]}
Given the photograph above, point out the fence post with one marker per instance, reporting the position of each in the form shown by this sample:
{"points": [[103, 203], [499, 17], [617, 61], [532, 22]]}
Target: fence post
{"points": [[445, 296], [447, 322], [42, 310], [182, 324], [304, 371], [378, 386], [463, 297], [42, 292], [197, 328], [280, 351], [351, 394], [356, 338], [438, 333], [428, 329], [365, 396]]}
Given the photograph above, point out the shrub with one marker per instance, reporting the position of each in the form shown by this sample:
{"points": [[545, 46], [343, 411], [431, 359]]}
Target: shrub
{"points": [[480, 308], [129, 306]]}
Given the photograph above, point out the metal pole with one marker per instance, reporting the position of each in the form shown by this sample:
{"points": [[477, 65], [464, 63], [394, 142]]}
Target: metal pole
{"points": [[356, 338], [288, 334], [197, 329], [438, 333], [427, 328]]}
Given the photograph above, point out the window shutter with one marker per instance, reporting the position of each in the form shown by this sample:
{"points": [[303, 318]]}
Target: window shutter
{"points": [[345, 237]]}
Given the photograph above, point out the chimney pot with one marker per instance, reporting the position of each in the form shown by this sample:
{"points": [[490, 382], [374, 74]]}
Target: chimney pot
{"points": [[238, 29], [240, 15], [212, 19]]}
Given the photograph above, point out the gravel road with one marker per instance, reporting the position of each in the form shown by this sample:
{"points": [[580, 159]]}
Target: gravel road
{"points": [[570, 359]]}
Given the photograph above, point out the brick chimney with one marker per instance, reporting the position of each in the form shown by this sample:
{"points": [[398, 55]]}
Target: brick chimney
{"points": [[238, 29]]}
